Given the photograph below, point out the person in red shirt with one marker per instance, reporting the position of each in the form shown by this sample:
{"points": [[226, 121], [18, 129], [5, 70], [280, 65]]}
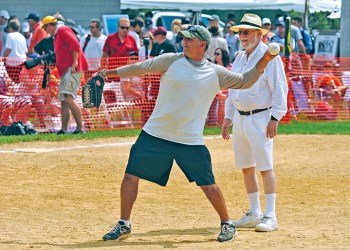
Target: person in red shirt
{"points": [[70, 62], [38, 33], [119, 44]]}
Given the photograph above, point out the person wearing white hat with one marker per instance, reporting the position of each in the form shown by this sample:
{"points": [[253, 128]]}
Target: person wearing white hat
{"points": [[255, 113], [25, 29], [266, 23]]}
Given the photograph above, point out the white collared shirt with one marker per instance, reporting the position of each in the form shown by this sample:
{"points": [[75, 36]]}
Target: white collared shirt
{"points": [[269, 91]]}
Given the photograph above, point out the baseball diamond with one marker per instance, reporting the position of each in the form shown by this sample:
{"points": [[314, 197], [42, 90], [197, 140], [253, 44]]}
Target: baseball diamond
{"points": [[64, 199]]}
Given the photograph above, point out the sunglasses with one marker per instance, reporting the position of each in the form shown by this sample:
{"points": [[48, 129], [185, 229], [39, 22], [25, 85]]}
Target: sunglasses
{"points": [[124, 27], [217, 54], [194, 29], [245, 32]]}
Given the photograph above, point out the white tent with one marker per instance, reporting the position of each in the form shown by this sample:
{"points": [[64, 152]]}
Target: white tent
{"points": [[334, 15], [198, 5]]}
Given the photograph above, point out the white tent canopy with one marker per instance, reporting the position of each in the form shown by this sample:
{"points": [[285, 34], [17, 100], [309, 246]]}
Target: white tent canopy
{"points": [[198, 5], [334, 15]]}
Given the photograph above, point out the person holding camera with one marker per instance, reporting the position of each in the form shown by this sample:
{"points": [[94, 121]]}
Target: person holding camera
{"points": [[70, 62], [161, 44], [145, 50]]}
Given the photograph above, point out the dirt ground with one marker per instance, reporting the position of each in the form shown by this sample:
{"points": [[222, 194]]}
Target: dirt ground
{"points": [[67, 199]]}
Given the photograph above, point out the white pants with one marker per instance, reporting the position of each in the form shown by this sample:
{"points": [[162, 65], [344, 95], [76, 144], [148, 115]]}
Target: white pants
{"points": [[251, 146]]}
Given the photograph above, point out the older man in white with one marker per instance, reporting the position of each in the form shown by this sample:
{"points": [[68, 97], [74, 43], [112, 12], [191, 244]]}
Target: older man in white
{"points": [[255, 113]]}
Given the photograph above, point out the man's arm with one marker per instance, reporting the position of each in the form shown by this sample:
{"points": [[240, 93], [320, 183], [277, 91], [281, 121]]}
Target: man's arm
{"points": [[228, 79], [308, 41], [229, 115], [279, 89], [156, 65], [301, 46], [262, 63], [7, 52], [75, 61], [277, 83]]}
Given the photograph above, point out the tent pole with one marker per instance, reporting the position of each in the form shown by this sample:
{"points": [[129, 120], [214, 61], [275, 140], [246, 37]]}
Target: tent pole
{"points": [[306, 15]]}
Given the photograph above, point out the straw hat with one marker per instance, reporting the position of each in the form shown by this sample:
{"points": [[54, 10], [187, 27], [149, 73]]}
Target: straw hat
{"points": [[250, 21]]}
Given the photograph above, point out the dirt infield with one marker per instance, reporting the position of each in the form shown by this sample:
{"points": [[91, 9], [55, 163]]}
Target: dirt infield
{"points": [[67, 199]]}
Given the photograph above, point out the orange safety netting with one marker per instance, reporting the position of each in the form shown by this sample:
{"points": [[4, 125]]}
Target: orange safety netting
{"points": [[318, 90]]}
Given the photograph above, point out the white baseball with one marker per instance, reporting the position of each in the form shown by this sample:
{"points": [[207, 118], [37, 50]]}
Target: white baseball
{"points": [[273, 48]]}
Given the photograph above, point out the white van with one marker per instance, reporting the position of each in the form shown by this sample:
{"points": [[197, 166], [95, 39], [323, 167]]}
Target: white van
{"points": [[165, 18]]}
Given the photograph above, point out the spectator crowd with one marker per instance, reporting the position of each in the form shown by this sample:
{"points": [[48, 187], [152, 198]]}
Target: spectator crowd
{"points": [[138, 38]]}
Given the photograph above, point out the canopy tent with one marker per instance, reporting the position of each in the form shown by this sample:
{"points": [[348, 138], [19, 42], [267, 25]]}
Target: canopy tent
{"points": [[198, 5], [335, 15]]}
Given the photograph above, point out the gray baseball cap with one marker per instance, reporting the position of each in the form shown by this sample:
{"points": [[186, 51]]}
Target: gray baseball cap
{"points": [[196, 31], [214, 17]]}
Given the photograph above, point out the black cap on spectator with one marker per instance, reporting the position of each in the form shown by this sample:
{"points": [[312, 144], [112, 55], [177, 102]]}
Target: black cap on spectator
{"points": [[148, 22], [136, 22], [34, 16]]}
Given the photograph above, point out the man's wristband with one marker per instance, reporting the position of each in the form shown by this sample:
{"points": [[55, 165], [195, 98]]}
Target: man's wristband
{"points": [[273, 118], [103, 74]]}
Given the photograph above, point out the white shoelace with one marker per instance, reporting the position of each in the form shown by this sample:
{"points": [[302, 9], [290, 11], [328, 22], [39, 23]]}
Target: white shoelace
{"points": [[115, 228], [225, 229]]}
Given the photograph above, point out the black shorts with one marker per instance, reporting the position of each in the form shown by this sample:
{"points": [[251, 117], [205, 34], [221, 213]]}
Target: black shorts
{"points": [[151, 158]]}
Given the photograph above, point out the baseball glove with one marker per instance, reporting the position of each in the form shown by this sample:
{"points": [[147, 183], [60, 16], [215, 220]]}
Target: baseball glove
{"points": [[92, 92]]}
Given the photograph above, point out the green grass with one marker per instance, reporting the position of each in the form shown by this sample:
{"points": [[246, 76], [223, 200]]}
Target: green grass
{"points": [[324, 128], [316, 128]]}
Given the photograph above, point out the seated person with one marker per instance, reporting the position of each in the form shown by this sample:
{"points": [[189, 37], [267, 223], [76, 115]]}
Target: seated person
{"points": [[18, 108], [331, 86]]}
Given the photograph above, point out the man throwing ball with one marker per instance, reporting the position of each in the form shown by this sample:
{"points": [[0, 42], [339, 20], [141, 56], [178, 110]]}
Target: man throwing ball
{"points": [[174, 131]]}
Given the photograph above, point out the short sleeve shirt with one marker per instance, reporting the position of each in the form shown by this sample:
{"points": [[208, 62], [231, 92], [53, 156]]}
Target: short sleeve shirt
{"points": [[114, 47]]}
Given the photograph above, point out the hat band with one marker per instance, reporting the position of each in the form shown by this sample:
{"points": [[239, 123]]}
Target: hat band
{"points": [[251, 24]]}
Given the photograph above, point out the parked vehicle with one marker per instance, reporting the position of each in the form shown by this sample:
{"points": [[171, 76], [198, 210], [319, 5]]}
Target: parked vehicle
{"points": [[165, 18]]}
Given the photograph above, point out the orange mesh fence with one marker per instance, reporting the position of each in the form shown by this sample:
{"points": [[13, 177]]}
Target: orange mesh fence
{"points": [[319, 89]]}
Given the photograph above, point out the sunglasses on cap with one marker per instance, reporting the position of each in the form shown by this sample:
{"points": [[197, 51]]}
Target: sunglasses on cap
{"points": [[194, 29], [245, 32], [124, 27]]}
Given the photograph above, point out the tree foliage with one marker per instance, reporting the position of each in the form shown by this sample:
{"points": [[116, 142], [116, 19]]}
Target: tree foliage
{"points": [[320, 21]]}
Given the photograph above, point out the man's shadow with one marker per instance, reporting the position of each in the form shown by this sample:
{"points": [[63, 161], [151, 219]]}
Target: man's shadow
{"points": [[209, 233]]}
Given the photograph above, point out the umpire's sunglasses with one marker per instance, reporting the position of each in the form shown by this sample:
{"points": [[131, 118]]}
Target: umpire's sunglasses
{"points": [[193, 29]]}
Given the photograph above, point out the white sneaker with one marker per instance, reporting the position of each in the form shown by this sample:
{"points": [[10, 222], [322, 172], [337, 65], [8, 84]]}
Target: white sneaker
{"points": [[267, 224], [249, 220]]}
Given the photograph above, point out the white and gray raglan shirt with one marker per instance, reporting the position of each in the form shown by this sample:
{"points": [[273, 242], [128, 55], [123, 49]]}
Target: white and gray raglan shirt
{"points": [[187, 89]]}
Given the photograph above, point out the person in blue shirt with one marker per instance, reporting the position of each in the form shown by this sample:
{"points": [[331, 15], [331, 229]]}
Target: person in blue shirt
{"points": [[280, 37], [307, 40]]}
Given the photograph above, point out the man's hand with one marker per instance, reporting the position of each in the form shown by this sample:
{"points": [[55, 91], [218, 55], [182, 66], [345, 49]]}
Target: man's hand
{"points": [[225, 127], [271, 130], [74, 67], [261, 64]]}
